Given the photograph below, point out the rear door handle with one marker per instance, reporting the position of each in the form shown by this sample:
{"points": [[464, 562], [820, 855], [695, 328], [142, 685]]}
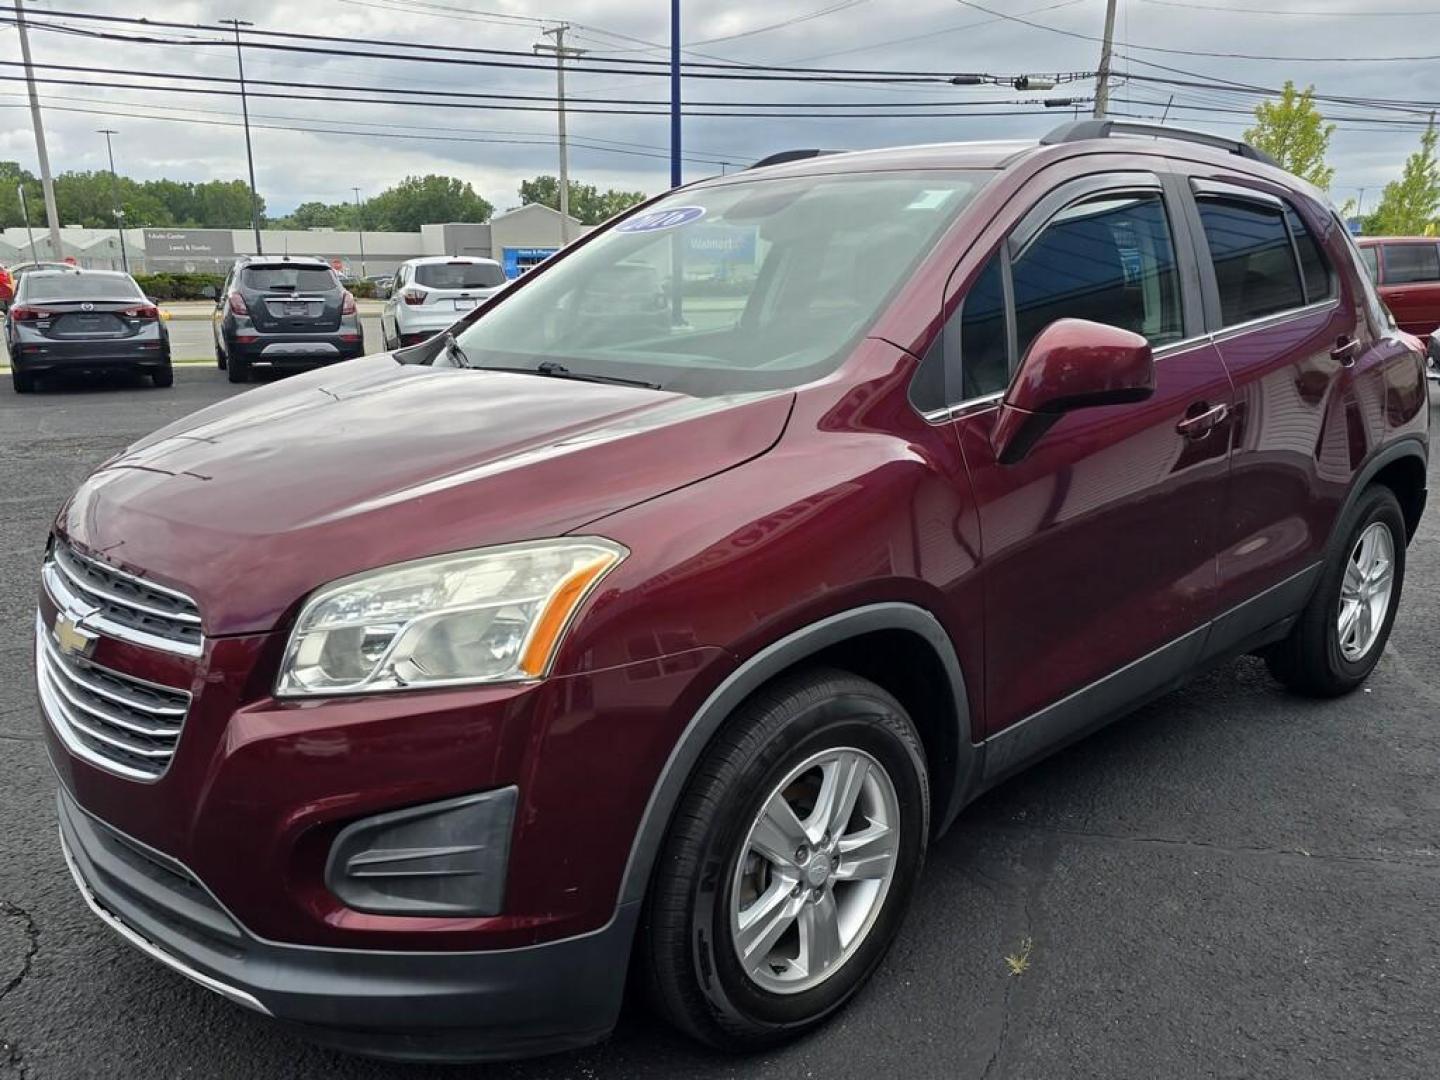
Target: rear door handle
{"points": [[1201, 424], [1346, 349]]}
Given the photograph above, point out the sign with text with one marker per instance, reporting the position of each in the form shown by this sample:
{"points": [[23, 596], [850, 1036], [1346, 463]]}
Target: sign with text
{"points": [[189, 243]]}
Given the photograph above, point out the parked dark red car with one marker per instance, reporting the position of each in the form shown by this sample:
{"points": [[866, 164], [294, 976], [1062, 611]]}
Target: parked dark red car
{"points": [[426, 700]]}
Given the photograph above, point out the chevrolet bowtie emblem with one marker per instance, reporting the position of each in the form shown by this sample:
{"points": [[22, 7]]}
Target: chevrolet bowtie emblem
{"points": [[72, 638]]}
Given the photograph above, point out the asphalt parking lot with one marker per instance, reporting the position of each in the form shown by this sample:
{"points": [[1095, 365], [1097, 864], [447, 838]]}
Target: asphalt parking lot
{"points": [[1231, 883]]}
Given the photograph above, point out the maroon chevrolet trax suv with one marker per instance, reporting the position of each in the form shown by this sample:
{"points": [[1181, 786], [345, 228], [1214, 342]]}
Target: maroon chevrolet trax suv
{"points": [[427, 700]]}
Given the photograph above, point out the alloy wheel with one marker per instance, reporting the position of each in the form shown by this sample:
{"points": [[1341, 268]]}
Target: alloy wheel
{"points": [[815, 869], [1365, 591]]}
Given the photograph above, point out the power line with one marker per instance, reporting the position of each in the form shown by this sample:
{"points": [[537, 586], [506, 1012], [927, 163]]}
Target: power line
{"points": [[635, 65], [1367, 14], [799, 114], [543, 98], [844, 5], [1334, 58]]}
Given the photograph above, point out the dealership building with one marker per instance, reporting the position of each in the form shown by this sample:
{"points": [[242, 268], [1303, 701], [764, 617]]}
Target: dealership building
{"points": [[517, 239]]}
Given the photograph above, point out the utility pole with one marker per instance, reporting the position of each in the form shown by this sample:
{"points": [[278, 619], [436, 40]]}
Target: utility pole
{"points": [[115, 210], [360, 228], [675, 178], [561, 55], [245, 114], [47, 185], [1102, 84]]}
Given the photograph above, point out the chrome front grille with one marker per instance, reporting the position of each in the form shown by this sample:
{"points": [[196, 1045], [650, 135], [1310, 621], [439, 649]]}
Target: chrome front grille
{"points": [[121, 605], [116, 721]]}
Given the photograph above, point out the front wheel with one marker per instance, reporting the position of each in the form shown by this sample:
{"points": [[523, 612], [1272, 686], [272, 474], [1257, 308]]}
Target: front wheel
{"points": [[790, 862], [1341, 633]]}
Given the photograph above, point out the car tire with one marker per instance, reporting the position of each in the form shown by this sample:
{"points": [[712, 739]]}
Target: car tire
{"points": [[219, 357], [786, 744], [23, 381], [238, 370], [163, 377], [1359, 589]]}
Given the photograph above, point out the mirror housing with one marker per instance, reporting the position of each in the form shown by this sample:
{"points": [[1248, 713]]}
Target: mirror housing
{"points": [[210, 292], [1071, 364]]}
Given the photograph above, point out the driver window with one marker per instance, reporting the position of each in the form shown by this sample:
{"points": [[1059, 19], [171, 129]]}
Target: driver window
{"points": [[1108, 259]]}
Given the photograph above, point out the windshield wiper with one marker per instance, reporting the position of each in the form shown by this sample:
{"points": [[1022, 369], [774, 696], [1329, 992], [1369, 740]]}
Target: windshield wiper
{"points": [[455, 352], [558, 370]]}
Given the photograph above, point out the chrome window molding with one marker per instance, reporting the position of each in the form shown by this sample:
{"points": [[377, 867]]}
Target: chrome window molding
{"points": [[1275, 319]]}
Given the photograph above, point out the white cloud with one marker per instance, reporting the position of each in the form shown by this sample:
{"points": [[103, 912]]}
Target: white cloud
{"points": [[943, 35]]}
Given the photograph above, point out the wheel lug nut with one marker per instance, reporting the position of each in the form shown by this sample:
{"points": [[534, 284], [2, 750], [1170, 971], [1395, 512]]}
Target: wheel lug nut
{"points": [[802, 853], [797, 890]]}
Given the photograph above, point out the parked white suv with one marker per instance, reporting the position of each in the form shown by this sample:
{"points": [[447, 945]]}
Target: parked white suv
{"points": [[431, 293]]}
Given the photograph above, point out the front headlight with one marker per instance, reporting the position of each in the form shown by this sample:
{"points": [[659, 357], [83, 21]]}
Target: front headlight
{"points": [[492, 615]]}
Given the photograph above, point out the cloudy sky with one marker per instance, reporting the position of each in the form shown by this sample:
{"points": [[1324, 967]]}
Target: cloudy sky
{"points": [[1346, 49]]}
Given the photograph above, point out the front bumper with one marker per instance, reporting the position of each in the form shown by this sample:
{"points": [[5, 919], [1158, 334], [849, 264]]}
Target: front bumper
{"points": [[469, 1006]]}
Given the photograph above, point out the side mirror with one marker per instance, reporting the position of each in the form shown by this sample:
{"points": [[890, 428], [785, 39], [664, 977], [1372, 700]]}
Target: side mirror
{"points": [[210, 292], [1071, 364]]}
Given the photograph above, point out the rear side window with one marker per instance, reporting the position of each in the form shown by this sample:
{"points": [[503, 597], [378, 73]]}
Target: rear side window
{"points": [[1405, 263], [1254, 263], [1371, 258], [1314, 267], [1108, 259], [290, 278], [459, 275]]}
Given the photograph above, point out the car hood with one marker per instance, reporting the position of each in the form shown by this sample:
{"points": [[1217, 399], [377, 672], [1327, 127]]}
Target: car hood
{"points": [[250, 504]]}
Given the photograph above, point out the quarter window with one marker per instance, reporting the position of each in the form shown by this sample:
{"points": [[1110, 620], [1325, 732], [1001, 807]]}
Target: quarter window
{"points": [[984, 360], [1405, 263], [1255, 265], [1108, 259], [1314, 268]]}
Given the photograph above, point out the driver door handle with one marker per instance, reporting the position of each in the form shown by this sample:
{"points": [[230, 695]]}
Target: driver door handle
{"points": [[1201, 424], [1346, 349]]}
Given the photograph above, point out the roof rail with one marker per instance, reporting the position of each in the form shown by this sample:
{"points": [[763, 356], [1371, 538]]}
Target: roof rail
{"points": [[792, 155], [1077, 130]]}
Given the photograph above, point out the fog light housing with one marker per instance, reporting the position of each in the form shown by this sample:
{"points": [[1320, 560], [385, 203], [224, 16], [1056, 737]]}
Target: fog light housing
{"points": [[440, 859]]}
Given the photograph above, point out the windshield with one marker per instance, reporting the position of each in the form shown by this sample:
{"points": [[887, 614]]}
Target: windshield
{"points": [[40, 287], [751, 285], [459, 275], [293, 278]]}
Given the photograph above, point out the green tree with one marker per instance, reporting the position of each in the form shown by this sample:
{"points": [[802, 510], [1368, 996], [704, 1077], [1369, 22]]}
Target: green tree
{"points": [[587, 203], [425, 200], [1293, 132], [11, 177], [1408, 205]]}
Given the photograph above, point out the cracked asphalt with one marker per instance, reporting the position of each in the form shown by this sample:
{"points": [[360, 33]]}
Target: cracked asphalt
{"points": [[1230, 883]]}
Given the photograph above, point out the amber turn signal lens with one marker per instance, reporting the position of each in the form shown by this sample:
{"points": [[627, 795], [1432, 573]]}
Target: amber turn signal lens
{"points": [[550, 626]]}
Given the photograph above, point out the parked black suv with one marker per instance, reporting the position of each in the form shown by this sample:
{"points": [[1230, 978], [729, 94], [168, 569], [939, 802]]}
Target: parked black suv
{"points": [[284, 312]]}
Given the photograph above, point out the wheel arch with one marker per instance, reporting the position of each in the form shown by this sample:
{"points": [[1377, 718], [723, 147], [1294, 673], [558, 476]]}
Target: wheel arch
{"points": [[1402, 467], [902, 647]]}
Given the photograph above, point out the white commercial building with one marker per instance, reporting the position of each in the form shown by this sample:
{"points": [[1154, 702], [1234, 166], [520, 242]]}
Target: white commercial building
{"points": [[517, 239]]}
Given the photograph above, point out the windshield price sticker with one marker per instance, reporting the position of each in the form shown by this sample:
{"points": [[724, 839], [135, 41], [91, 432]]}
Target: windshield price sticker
{"points": [[655, 220]]}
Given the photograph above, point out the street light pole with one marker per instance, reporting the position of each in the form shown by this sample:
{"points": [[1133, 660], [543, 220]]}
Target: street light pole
{"points": [[561, 54], [47, 184], [360, 229], [115, 211], [245, 114], [675, 93], [1102, 84]]}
